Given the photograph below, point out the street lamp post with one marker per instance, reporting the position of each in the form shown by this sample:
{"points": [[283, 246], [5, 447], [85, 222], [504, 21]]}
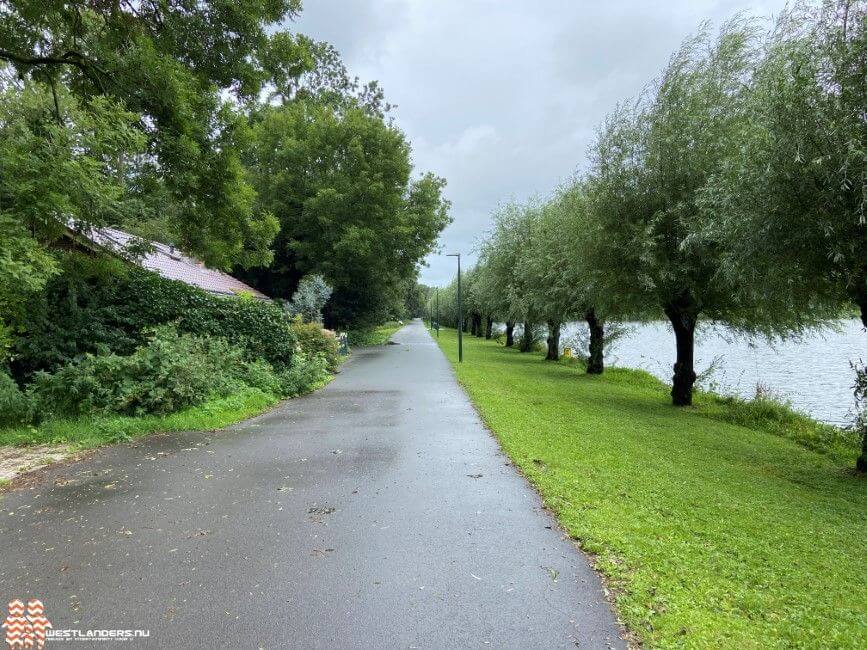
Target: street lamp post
{"points": [[460, 311], [438, 312]]}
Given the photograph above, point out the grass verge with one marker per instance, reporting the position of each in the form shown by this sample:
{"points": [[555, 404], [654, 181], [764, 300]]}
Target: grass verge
{"points": [[84, 433], [711, 533], [378, 335]]}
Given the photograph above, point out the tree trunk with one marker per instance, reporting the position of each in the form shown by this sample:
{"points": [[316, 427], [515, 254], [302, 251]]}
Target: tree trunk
{"points": [[489, 327], [861, 463], [510, 334], [479, 331], [466, 324], [473, 324], [683, 319], [553, 341], [596, 360], [526, 338]]}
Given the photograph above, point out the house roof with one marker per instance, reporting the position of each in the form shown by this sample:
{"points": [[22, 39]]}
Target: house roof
{"points": [[171, 263]]}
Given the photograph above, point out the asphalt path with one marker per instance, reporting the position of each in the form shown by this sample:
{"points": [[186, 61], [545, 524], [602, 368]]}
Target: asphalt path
{"points": [[377, 512]]}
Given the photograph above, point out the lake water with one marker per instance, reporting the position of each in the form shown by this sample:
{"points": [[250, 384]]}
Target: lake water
{"points": [[813, 374]]}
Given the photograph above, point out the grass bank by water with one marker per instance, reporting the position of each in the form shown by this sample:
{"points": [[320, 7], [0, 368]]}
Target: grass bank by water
{"points": [[714, 528]]}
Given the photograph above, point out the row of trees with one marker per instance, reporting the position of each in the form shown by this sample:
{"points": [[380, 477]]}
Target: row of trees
{"points": [[208, 126], [733, 190]]}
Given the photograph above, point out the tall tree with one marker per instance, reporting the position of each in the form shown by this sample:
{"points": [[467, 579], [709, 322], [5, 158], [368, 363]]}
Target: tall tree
{"points": [[57, 156], [540, 267], [338, 180], [788, 210], [500, 255], [576, 283], [649, 166], [174, 65]]}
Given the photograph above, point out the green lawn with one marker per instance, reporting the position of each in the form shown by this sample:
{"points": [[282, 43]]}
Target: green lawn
{"points": [[84, 433], [378, 335], [711, 534]]}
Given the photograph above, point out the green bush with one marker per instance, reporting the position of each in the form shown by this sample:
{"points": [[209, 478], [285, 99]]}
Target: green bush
{"points": [[170, 372], [303, 374], [313, 341], [99, 305], [14, 404]]}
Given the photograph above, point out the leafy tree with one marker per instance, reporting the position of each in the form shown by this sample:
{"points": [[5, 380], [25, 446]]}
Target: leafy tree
{"points": [[57, 166], [649, 166], [62, 166], [562, 286], [788, 210], [471, 302], [24, 269], [539, 268], [339, 182], [490, 291], [416, 299], [174, 65], [499, 254]]}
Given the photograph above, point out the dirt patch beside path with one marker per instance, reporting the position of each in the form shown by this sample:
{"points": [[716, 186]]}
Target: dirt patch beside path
{"points": [[17, 460]]}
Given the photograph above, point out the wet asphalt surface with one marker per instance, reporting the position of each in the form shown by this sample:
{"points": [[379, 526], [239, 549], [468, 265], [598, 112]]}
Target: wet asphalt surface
{"points": [[375, 513]]}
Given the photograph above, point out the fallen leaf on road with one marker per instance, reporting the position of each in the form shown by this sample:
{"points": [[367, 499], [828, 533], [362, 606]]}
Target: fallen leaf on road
{"points": [[552, 572], [321, 552]]}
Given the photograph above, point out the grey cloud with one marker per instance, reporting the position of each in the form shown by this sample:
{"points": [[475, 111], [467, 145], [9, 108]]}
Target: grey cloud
{"points": [[502, 98]]}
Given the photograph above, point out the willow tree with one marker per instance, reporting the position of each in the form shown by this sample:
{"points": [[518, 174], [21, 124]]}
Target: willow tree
{"points": [[471, 304], [538, 267], [789, 209], [501, 253], [649, 165], [551, 266], [572, 269], [492, 295]]}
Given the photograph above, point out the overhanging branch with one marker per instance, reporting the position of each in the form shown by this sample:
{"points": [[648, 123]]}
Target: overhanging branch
{"points": [[72, 58]]}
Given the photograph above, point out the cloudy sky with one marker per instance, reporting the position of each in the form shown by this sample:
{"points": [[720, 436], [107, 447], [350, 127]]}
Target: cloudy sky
{"points": [[502, 97]]}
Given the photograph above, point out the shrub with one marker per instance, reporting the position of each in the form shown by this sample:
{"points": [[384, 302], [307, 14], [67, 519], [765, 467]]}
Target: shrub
{"points": [[100, 306], [313, 341], [310, 298], [303, 374], [14, 404], [170, 372]]}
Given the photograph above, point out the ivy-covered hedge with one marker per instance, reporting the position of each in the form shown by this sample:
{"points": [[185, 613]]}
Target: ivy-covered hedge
{"points": [[100, 305]]}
